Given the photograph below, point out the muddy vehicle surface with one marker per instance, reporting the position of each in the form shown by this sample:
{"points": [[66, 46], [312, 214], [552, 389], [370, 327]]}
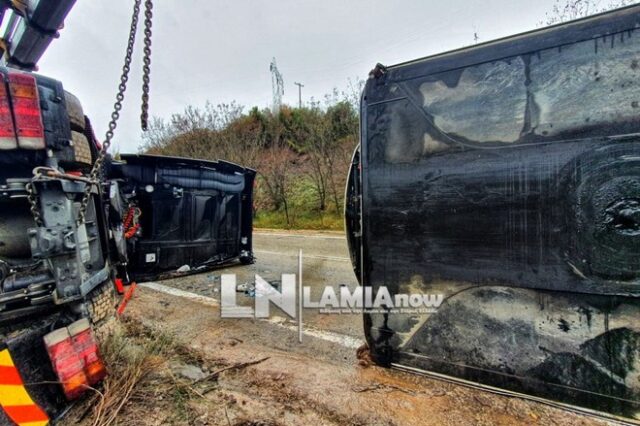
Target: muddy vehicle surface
{"points": [[506, 178]]}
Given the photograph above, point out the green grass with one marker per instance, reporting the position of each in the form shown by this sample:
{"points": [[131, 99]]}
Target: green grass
{"points": [[304, 212], [330, 221]]}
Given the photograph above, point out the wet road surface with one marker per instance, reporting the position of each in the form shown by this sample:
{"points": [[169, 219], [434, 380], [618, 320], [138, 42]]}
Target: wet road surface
{"points": [[325, 263]]}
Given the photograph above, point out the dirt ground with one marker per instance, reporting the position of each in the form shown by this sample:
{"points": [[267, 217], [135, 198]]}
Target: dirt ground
{"points": [[179, 363], [231, 372]]}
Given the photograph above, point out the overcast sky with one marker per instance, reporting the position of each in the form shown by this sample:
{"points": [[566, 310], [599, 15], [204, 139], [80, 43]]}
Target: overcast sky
{"points": [[220, 50]]}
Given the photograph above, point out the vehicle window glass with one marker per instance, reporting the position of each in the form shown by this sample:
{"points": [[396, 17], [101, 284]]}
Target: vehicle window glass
{"points": [[168, 218], [205, 210], [485, 103], [586, 85], [585, 89]]}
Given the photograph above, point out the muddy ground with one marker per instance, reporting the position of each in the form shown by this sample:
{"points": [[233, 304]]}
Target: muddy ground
{"points": [[214, 371], [200, 385], [192, 367]]}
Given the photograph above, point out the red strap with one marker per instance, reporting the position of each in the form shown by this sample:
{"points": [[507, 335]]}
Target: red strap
{"points": [[126, 298]]}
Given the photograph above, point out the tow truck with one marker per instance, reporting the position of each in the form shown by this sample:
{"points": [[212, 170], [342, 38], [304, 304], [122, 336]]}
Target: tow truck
{"points": [[505, 177], [73, 220]]}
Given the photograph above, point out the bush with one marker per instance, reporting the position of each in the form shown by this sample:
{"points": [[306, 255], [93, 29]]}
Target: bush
{"points": [[302, 155]]}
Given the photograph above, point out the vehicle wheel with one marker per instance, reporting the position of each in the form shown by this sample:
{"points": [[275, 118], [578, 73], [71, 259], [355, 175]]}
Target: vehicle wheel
{"points": [[247, 259], [76, 114], [603, 213], [101, 303], [81, 148]]}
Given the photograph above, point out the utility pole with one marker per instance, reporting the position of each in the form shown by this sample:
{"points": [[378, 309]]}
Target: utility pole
{"points": [[300, 86]]}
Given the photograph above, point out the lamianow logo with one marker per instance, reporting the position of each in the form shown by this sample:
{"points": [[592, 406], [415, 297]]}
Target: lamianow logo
{"points": [[292, 298]]}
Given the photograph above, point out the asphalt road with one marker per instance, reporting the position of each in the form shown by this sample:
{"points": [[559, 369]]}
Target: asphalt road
{"points": [[325, 263]]}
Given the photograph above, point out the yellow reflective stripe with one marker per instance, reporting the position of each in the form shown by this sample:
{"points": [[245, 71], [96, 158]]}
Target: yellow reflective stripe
{"points": [[40, 423], [5, 358], [14, 395]]}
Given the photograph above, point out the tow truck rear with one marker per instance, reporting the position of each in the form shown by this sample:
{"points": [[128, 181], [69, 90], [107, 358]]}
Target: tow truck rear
{"points": [[73, 220]]}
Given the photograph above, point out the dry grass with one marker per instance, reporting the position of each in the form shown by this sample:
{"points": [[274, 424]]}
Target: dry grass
{"points": [[145, 386], [138, 364], [135, 364]]}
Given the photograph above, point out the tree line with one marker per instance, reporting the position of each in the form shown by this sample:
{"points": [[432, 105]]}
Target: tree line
{"points": [[302, 155]]}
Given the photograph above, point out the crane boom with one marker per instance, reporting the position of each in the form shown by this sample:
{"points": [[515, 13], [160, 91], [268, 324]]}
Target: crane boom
{"points": [[30, 28]]}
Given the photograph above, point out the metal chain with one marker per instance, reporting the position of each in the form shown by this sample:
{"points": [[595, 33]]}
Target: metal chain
{"points": [[146, 67], [33, 203], [115, 115]]}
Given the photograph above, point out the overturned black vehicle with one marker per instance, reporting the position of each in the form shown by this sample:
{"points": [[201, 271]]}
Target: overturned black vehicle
{"points": [[191, 213], [506, 178], [149, 215]]}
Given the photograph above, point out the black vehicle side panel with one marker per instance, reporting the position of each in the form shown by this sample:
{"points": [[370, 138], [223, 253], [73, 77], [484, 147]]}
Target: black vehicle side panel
{"points": [[525, 221]]}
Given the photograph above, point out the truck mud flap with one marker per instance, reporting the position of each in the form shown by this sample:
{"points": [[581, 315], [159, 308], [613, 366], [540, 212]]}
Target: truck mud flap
{"points": [[28, 391]]}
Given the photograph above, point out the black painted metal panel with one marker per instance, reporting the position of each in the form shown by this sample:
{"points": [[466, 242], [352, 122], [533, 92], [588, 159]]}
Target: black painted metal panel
{"points": [[194, 212], [506, 178]]}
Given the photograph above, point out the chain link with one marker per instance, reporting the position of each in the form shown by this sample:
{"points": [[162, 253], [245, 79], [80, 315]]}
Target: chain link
{"points": [[94, 175], [33, 203], [146, 67], [115, 115]]}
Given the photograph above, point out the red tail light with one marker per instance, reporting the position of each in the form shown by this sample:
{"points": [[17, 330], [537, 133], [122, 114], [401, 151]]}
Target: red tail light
{"points": [[7, 132], [86, 347], [67, 364], [26, 110], [119, 285]]}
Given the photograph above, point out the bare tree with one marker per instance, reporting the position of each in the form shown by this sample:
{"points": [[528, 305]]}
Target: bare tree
{"points": [[566, 10], [278, 179], [301, 154], [156, 138], [353, 92]]}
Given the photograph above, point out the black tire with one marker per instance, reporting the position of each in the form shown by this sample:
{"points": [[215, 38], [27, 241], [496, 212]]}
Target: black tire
{"points": [[603, 188], [81, 148], [75, 112], [101, 303]]}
